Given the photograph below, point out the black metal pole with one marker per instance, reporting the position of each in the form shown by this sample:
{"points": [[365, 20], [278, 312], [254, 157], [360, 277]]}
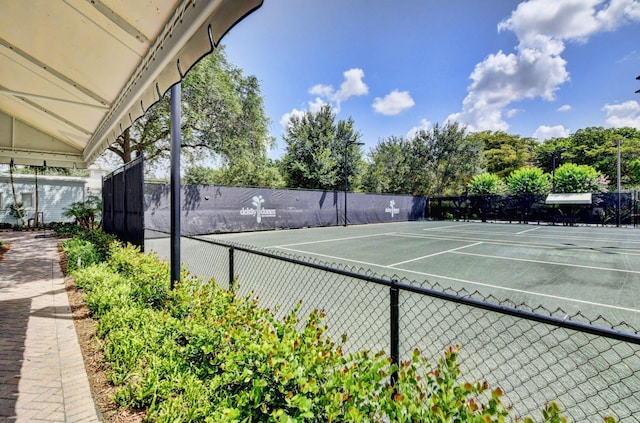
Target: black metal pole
{"points": [[553, 173], [176, 94], [619, 141], [394, 295], [231, 270], [346, 181]]}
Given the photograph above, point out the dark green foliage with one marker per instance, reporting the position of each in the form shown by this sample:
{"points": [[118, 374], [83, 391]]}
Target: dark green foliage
{"points": [[315, 156], [86, 213], [65, 229], [101, 241]]}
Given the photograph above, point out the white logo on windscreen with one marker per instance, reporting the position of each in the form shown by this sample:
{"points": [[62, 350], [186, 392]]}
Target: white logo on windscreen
{"points": [[392, 208], [258, 211]]}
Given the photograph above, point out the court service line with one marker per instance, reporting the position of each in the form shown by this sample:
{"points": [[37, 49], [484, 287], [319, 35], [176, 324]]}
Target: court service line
{"points": [[609, 269], [621, 251], [435, 254], [328, 240], [552, 236], [450, 226], [487, 285], [528, 230]]}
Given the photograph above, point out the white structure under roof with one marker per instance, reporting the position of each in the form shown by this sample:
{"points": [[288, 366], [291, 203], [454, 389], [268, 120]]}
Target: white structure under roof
{"points": [[572, 198], [74, 74]]}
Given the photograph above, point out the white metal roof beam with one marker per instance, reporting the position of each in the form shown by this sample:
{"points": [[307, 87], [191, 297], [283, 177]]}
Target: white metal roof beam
{"points": [[118, 20], [20, 94], [54, 72]]}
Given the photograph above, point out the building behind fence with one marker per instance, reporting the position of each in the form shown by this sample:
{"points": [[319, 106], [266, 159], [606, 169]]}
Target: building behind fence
{"points": [[535, 356]]}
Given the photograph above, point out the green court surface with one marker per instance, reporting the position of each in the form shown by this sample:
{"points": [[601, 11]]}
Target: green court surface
{"points": [[592, 270], [578, 272]]}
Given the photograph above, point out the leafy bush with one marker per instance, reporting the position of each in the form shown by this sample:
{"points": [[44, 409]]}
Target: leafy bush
{"points": [[100, 239], [202, 353], [86, 213], [65, 229], [487, 184], [571, 177], [80, 253], [528, 180]]}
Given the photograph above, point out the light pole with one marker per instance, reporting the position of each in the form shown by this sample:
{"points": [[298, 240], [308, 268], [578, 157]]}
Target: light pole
{"points": [[556, 154], [346, 174], [618, 141]]}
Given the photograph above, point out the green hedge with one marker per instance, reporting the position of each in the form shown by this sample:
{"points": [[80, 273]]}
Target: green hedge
{"points": [[201, 353]]}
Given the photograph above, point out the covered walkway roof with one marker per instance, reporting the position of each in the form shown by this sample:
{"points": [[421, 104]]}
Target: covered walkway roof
{"points": [[75, 73]]}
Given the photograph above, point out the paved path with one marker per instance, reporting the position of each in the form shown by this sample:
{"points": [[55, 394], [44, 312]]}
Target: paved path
{"points": [[42, 374]]}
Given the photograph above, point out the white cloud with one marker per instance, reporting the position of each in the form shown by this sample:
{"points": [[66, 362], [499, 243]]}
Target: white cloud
{"points": [[286, 118], [537, 68], [424, 125], [623, 114], [546, 132], [353, 85], [316, 105], [393, 103], [322, 90], [564, 108]]}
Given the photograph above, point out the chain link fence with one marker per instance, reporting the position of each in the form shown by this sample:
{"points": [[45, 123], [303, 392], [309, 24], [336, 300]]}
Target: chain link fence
{"points": [[588, 365]]}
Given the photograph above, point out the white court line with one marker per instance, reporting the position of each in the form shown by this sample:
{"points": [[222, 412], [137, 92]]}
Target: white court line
{"points": [[621, 251], [559, 238], [435, 254], [327, 240], [609, 269], [521, 291], [528, 230], [446, 227]]}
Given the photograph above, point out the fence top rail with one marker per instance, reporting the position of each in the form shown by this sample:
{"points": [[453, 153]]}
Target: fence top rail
{"points": [[610, 333]]}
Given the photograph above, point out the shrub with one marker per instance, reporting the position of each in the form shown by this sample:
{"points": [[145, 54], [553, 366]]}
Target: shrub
{"points": [[205, 354], [80, 253], [65, 229], [487, 184], [101, 241], [571, 177], [528, 180]]}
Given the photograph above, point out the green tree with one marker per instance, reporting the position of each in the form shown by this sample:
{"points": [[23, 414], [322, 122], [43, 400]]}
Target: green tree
{"points": [[438, 161], [222, 118], [314, 157], [86, 213], [487, 184], [201, 175], [528, 180], [447, 157], [503, 153], [390, 167], [571, 177], [598, 148]]}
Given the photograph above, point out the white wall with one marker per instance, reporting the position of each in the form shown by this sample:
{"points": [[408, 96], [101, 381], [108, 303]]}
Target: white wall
{"points": [[55, 193]]}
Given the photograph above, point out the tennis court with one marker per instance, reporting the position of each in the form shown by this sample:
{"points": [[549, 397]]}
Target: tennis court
{"points": [[573, 272], [592, 270]]}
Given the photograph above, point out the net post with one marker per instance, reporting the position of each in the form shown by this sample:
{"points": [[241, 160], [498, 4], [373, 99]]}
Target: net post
{"points": [[394, 295]]}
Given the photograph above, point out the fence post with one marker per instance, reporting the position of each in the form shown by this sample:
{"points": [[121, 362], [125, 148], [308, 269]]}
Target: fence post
{"points": [[394, 295], [231, 269]]}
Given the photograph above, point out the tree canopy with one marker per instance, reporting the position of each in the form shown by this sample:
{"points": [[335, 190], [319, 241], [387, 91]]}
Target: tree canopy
{"points": [[315, 153], [438, 161], [596, 147], [223, 118]]}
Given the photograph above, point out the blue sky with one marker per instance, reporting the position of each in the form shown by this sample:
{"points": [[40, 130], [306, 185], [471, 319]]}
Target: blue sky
{"points": [[537, 68]]}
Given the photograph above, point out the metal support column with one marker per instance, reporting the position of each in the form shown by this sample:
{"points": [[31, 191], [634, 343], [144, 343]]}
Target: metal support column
{"points": [[175, 183]]}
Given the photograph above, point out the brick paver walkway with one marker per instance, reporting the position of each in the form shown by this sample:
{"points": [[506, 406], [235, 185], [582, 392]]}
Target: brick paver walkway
{"points": [[42, 374]]}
